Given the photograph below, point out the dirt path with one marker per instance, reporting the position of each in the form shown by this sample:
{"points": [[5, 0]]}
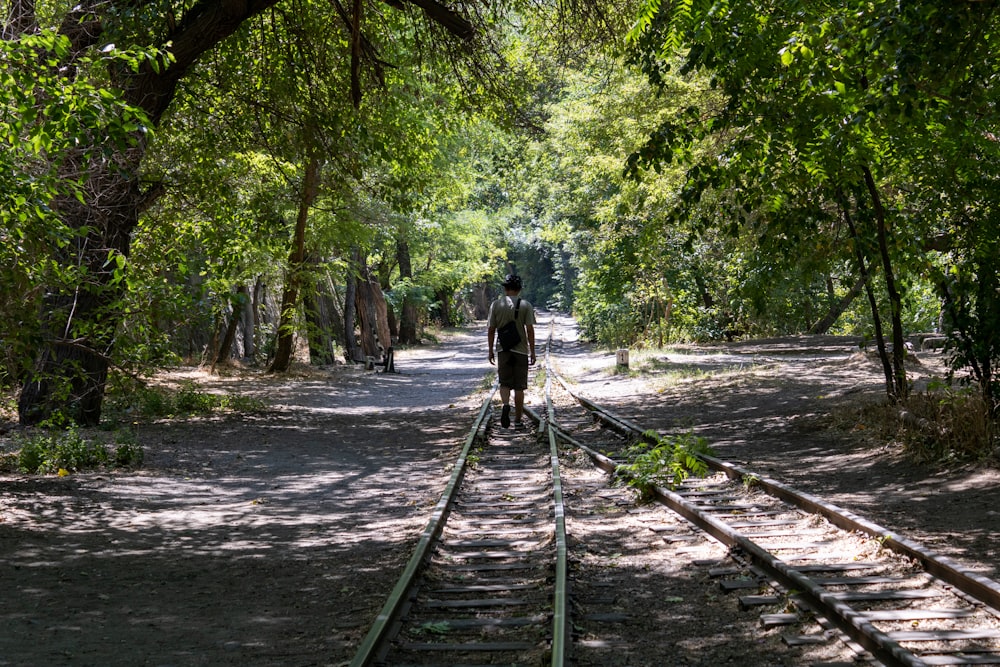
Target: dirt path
{"points": [[259, 541], [274, 540]]}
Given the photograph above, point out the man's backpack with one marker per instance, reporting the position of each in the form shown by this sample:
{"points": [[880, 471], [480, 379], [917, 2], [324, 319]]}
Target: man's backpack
{"points": [[509, 334]]}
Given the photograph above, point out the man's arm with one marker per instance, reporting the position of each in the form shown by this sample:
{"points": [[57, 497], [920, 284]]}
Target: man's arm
{"points": [[491, 333], [530, 331]]}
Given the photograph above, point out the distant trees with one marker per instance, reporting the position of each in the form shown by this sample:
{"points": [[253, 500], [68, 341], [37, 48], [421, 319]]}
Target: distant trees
{"points": [[133, 63], [868, 124], [209, 181], [173, 169]]}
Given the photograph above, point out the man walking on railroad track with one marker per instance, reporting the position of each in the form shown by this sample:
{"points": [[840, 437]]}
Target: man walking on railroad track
{"points": [[514, 358]]}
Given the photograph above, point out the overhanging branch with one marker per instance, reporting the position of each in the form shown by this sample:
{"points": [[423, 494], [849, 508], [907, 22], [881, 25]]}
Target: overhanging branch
{"points": [[448, 19]]}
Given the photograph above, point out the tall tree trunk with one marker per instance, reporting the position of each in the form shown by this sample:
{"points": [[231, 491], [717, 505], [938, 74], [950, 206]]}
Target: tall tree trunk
{"points": [[226, 348], [372, 312], [296, 262], [837, 309], [356, 53], [322, 319], [352, 351], [382, 328], [482, 296], [988, 309], [367, 319], [79, 322], [384, 279], [901, 387], [706, 297], [251, 321], [408, 314], [443, 297], [859, 255]]}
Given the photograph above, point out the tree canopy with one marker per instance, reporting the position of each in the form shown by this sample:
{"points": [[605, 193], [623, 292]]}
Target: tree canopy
{"points": [[209, 182]]}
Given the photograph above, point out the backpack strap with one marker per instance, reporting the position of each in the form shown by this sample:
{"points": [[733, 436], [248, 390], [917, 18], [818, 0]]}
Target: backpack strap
{"points": [[517, 308]]}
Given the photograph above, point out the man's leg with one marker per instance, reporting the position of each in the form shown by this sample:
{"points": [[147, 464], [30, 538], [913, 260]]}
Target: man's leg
{"points": [[518, 405], [505, 410]]}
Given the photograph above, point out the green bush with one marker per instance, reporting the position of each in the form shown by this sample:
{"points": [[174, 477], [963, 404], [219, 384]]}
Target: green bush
{"points": [[156, 402], [191, 400], [128, 455], [613, 325], [65, 451], [127, 452], [32, 456]]}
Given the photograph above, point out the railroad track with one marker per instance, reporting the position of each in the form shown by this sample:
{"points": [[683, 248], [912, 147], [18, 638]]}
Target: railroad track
{"points": [[807, 565], [487, 582]]}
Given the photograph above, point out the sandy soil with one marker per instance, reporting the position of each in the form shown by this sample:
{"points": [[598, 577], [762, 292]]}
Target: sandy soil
{"points": [[274, 539]]}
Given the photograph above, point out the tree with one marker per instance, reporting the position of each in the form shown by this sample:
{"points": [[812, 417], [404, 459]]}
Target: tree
{"points": [[408, 309], [59, 133], [602, 233], [72, 357], [827, 109], [296, 265]]}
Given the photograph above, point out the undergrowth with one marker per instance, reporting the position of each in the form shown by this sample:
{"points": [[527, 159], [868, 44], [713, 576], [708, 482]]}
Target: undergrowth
{"points": [[944, 425], [142, 401], [64, 451], [663, 461], [53, 449]]}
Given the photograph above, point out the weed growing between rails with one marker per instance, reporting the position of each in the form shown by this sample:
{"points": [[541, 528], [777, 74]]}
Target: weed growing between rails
{"points": [[664, 461]]}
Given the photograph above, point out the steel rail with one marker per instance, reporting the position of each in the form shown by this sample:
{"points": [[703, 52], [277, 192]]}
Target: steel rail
{"points": [[980, 587], [390, 611], [560, 605], [851, 622], [848, 620]]}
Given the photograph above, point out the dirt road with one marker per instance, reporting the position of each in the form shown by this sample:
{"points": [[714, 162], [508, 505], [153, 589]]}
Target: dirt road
{"points": [[274, 539]]}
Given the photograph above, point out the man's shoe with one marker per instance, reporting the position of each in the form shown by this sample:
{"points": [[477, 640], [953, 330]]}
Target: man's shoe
{"points": [[518, 426], [505, 416]]}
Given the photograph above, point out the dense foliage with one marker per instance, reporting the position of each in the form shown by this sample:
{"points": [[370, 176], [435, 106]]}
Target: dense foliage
{"points": [[860, 135], [210, 183]]}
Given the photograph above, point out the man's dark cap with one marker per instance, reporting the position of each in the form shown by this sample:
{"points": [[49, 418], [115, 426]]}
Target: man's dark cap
{"points": [[512, 281]]}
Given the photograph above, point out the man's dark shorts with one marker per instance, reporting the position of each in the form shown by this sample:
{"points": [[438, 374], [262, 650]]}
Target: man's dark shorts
{"points": [[513, 370]]}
